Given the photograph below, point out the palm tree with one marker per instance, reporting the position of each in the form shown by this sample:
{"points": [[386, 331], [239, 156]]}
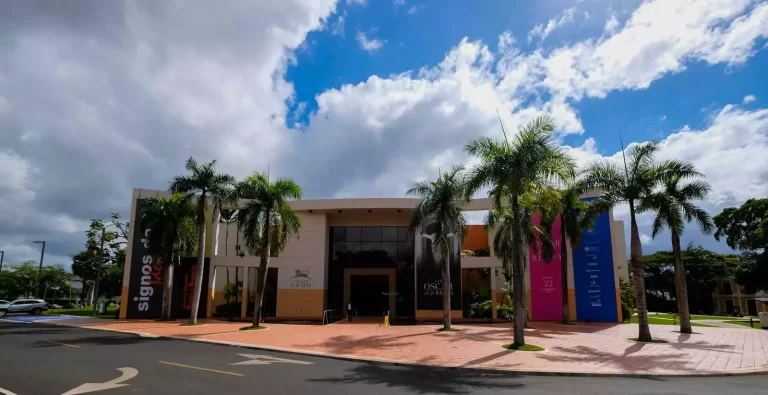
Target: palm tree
{"points": [[502, 222], [673, 207], [572, 223], [208, 183], [635, 182], [440, 206], [222, 198], [529, 164], [267, 210], [172, 224]]}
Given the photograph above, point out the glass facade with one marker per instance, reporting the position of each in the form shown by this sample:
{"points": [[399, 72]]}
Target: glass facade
{"points": [[362, 247]]}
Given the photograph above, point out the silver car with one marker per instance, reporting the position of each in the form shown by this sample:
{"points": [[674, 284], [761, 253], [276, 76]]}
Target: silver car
{"points": [[31, 306]]}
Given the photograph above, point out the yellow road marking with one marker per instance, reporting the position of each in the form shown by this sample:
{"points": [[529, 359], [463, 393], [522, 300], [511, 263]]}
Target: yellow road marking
{"points": [[199, 368], [61, 344]]}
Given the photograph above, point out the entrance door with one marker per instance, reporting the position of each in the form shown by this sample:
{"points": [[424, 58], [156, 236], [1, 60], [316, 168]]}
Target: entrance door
{"points": [[729, 306], [368, 294]]}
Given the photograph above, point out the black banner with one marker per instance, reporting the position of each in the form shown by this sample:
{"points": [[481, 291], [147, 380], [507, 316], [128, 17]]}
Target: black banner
{"points": [[145, 290], [184, 278], [429, 277]]}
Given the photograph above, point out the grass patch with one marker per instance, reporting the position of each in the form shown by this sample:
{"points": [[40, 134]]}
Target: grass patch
{"points": [[696, 317], [524, 347], [745, 323], [82, 312], [635, 339], [448, 330], [253, 328], [653, 320]]}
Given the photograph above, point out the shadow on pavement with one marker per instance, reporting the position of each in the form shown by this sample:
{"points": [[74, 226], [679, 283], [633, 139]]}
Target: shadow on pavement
{"points": [[102, 340], [627, 362], [423, 380]]}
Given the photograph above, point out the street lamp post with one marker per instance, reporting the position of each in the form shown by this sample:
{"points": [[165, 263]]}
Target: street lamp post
{"points": [[2, 256], [40, 269]]}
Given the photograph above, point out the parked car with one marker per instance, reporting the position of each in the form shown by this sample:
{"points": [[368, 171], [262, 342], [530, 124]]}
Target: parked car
{"points": [[31, 306], [2, 302]]}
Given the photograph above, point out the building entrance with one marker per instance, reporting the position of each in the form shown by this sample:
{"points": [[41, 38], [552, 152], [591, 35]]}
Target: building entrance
{"points": [[369, 294]]}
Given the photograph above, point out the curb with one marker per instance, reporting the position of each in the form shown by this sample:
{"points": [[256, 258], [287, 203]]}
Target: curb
{"points": [[390, 362]]}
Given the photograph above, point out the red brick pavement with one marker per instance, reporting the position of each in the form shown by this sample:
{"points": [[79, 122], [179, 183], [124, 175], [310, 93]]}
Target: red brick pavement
{"points": [[583, 348]]}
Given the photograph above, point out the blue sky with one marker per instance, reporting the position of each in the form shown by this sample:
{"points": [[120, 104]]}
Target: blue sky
{"points": [[360, 98]]}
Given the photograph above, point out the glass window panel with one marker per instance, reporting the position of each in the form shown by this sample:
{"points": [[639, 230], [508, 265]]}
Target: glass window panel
{"points": [[402, 232], [371, 246], [391, 249], [339, 233], [404, 251], [372, 233], [353, 247], [389, 233], [353, 233], [338, 250]]}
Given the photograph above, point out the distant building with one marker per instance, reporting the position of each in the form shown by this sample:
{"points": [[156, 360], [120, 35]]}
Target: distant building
{"points": [[729, 296]]}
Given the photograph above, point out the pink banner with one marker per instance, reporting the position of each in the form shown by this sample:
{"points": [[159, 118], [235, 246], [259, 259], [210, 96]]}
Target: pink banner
{"points": [[546, 280]]}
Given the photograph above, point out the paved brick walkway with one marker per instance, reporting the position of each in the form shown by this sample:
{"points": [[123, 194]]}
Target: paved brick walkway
{"points": [[584, 348]]}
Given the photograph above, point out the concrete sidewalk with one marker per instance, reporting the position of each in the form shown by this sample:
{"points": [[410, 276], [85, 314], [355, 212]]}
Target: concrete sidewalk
{"points": [[570, 349]]}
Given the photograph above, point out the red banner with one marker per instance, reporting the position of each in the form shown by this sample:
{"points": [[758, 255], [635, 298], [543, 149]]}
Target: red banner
{"points": [[546, 280]]}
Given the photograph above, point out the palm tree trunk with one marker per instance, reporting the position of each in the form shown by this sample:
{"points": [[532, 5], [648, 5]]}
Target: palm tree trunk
{"points": [[517, 278], [261, 274], [200, 259], [447, 292], [167, 288], [638, 271], [564, 269], [215, 224], [681, 286], [226, 240]]}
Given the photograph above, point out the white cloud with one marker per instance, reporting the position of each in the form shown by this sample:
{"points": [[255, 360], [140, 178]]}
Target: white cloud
{"points": [[611, 24], [399, 3], [213, 91], [645, 239], [369, 44], [337, 29], [414, 9], [358, 2], [541, 31], [659, 38], [749, 99]]}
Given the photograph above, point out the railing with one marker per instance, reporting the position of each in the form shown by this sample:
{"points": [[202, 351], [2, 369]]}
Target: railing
{"points": [[328, 317]]}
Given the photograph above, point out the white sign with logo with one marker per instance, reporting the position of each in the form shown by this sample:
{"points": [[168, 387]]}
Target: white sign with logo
{"points": [[299, 278]]}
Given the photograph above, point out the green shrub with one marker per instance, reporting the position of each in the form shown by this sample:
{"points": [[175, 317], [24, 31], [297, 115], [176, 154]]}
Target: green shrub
{"points": [[505, 311], [481, 310], [228, 310], [483, 251]]}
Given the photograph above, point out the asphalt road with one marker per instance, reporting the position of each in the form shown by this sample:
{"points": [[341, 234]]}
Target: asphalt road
{"points": [[40, 359]]}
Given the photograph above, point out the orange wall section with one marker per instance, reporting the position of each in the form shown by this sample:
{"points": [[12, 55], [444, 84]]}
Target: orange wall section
{"points": [[475, 238]]}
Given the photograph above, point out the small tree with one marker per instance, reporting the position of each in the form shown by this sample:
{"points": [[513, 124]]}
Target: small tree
{"points": [[674, 207], [441, 206], [268, 208], [208, 183], [172, 233]]}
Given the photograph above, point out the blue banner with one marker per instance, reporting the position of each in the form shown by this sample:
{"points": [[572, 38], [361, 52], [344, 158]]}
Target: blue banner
{"points": [[593, 275]]}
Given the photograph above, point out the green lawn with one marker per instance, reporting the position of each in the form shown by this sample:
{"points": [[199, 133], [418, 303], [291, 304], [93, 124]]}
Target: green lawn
{"points": [[696, 317], [82, 311], [654, 320], [745, 323]]}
